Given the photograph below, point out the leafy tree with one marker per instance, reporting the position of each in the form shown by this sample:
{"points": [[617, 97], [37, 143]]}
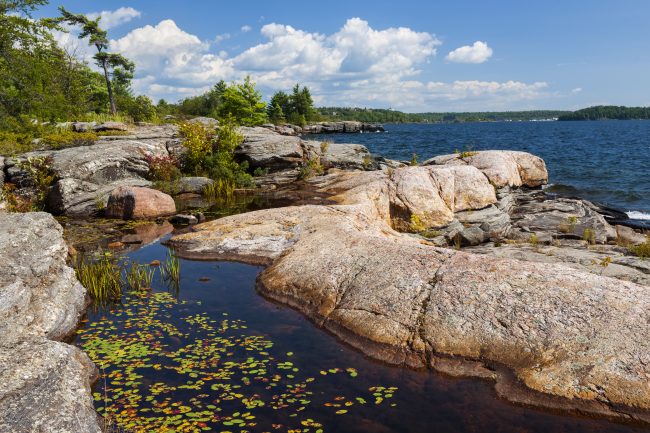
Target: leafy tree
{"points": [[244, 103], [111, 63]]}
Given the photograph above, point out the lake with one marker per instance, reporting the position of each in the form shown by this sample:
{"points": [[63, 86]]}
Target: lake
{"points": [[604, 161]]}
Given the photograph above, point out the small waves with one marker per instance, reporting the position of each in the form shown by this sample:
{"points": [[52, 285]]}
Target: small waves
{"points": [[636, 215]]}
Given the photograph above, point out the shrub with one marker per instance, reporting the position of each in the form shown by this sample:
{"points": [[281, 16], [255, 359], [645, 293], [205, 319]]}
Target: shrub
{"points": [[414, 159], [310, 168], [163, 168], [589, 235], [15, 202], [41, 176], [642, 250], [197, 140], [12, 143], [67, 138]]}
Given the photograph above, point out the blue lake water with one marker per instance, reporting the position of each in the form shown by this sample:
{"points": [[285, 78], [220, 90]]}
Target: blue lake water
{"points": [[604, 161]]}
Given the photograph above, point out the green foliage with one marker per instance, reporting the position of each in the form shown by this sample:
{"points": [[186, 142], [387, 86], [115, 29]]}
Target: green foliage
{"points": [[642, 250], [197, 140], [101, 277], [41, 177], [414, 159], [13, 143], [139, 277], [14, 201], [534, 241], [67, 138], [601, 112], [202, 105], [243, 102], [118, 70], [212, 155], [296, 108], [589, 235], [310, 168]]}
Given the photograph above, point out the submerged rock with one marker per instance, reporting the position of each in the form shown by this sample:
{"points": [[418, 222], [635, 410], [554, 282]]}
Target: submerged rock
{"points": [[400, 299], [44, 384], [139, 203]]}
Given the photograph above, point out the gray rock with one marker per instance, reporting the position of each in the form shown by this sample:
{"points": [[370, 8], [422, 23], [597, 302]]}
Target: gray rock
{"points": [[561, 218], [39, 294], [2, 170], [491, 220], [110, 126], [83, 126], [181, 219], [472, 236], [628, 236], [342, 127], [45, 387], [193, 185], [74, 197], [44, 384], [577, 256], [86, 175], [208, 122]]}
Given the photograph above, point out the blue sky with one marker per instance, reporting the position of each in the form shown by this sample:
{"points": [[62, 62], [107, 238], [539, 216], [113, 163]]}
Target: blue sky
{"points": [[408, 55]]}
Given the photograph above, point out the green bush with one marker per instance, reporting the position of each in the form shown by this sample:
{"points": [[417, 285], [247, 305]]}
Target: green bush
{"points": [[67, 138], [212, 155], [642, 250], [13, 143]]}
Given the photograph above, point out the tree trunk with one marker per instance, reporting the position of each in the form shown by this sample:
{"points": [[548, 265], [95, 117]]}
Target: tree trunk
{"points": [[110, 89]]}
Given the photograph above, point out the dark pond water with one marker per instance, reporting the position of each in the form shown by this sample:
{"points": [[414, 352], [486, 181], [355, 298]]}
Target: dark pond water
{"points": [[213, 355], [603, 161]]}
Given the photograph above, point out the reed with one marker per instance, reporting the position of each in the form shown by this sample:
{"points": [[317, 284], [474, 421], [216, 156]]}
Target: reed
{"points": [[101, 277], [139, 277], [170, 270]]}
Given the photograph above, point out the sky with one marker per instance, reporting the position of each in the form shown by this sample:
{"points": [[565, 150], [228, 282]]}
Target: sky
{"points": [[406, 55]]}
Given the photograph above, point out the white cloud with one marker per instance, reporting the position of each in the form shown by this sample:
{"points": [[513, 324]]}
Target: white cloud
{"points": [[479, 52], [355, 66], [176, 59], [246, 28], [576, 90], [111, 19]]}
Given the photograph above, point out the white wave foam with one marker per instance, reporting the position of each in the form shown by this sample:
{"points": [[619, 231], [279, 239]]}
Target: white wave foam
{"points": [[636, 215]]}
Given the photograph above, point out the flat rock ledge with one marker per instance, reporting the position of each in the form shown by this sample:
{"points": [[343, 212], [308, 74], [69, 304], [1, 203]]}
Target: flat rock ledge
{"points": [[44, 383], [548, 334]]}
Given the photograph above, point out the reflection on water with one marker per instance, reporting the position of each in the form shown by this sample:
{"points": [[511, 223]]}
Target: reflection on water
{"points": [[218, 357]]}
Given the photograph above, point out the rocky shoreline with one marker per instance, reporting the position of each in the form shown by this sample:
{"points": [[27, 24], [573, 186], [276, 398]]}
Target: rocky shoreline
{"points": [[461, 265]]}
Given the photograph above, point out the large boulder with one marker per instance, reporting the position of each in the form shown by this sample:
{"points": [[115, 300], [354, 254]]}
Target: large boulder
{"points": [[139, 203], [504, 168], [44, 384], [538, 329]]}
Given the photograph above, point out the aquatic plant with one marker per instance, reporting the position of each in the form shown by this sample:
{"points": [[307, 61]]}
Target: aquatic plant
{"points": [[199, 373], [139, 276], [170, 269], [101, 276], [219, 189]]}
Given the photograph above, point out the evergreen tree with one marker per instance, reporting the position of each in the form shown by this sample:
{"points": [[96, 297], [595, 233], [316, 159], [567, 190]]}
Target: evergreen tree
{"points": [[110, 63]]}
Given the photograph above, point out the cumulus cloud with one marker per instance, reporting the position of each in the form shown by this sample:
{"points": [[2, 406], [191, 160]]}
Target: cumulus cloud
{"points": [[111, 19], [356, 65], [176, 58], [246, 28], [479, 52]]}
